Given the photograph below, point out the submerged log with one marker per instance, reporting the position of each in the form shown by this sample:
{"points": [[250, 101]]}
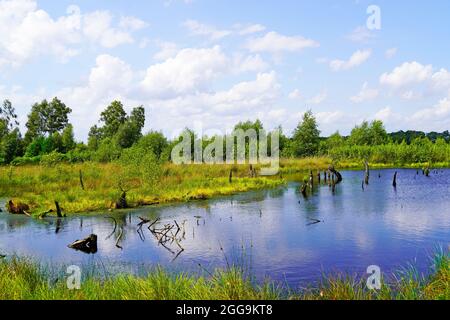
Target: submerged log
{"points": [[88, 245], [17, 208]]}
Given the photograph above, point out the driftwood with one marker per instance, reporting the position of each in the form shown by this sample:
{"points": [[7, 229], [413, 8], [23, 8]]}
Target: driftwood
{"points": [[88, 245], [165, 235], [336, 173], [313, 221], [43, 215], [59, 214], [119, 238], [18, 208]]}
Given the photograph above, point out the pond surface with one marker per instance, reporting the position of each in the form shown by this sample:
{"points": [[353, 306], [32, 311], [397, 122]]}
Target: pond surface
{"points": [[270, 233]]}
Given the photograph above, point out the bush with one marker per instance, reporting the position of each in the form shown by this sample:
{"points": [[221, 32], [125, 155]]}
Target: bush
{"points": [[53, 158], [21, 161]]}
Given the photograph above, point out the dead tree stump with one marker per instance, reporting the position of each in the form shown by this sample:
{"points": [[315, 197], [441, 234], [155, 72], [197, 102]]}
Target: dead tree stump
{"points": [[87, 245], [394, 181]]}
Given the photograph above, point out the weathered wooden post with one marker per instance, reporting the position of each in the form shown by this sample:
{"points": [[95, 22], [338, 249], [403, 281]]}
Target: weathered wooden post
{"points": [[81, 180], [303, 190], [366, 175], [58, 210], [394, 182]]}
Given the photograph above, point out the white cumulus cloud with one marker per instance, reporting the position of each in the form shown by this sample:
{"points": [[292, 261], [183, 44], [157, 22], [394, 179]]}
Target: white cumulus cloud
{"points": [[356, 59], [365, 94], [274, 42]]}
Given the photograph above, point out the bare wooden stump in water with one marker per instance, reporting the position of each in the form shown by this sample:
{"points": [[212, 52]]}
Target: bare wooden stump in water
{"points": [[303, 190], [17, 208], [81, 180], [87, 245], [394, 182], [58, 210], [367, 173]]}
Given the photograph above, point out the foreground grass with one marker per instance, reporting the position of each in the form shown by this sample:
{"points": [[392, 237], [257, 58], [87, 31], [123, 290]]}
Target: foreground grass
{"points": [[23, 279]]}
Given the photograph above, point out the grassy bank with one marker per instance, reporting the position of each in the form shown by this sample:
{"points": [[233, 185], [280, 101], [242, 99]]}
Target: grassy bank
{"points": [[22, 279], [39, 186], [101, 184]]}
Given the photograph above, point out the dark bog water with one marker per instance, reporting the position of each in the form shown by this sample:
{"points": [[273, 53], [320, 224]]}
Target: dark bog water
{"points": [[272, 233]]}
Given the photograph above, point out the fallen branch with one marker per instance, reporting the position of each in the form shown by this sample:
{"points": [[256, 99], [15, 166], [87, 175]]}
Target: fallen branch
{"points": [[119, 238], [115, 227]]}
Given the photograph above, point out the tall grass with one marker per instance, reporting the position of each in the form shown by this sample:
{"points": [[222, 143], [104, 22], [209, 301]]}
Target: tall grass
{"points": [[23, 279], [39, 186], [419, 152]]}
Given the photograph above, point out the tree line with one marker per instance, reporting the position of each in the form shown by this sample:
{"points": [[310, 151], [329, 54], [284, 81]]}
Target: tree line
{"points": [[49, 137]]}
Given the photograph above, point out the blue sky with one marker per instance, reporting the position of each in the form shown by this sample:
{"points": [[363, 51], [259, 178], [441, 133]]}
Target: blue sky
{"points": [[208, 64]]}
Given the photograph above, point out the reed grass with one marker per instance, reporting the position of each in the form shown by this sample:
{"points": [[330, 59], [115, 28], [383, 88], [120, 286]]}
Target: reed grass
{"points": [[23, 279]]}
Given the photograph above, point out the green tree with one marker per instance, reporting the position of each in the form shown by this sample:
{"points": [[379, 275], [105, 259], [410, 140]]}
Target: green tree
{"points": [[369, 134], [131, 130], [67, 139], [11, 146], [378, 134], [154, 142], [306, 137], [94, 137], [360, 135], [56, 116], [8, 118], [257, 126], [46, 118], [112, 117]]}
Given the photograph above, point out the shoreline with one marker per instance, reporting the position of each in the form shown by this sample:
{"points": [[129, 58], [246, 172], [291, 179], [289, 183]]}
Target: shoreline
{"points": [[39, 186]]}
